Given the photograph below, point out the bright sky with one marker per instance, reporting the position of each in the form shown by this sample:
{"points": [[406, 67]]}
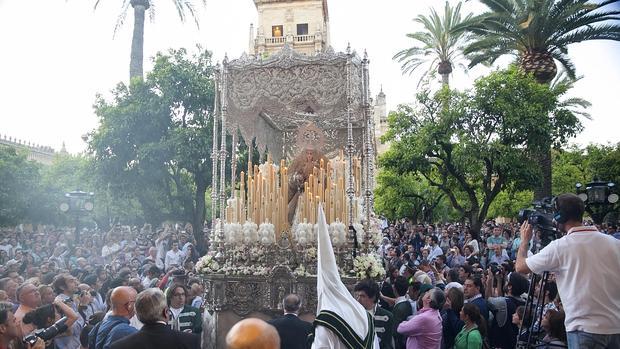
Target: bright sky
{"points": [[58, 54]]}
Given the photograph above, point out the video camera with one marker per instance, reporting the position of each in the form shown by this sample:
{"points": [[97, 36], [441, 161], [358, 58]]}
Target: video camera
{"points": [[47, 333], [541, 218]]}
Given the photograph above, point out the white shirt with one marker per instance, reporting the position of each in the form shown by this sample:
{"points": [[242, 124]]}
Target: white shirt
{"points": [[174, 258], [586, 265]]}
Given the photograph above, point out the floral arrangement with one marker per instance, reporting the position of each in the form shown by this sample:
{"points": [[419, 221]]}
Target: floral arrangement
{"points": [[304, 233], [301, 271], [233, 233], [257, 270], [250, 232], [368, 266], [207, 265], [338, 233], [267, 233]]}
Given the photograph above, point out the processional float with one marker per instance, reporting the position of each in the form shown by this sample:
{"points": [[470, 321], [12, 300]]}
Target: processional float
{"points": [[311, 118]]}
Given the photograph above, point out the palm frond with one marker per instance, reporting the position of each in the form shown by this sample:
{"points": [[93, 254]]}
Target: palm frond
{"points": [[121, 17]]}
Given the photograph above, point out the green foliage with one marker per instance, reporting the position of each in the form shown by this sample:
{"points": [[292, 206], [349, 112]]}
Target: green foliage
{"points": [[19, 178], [438, 46], [398, 196], [582, 165], [472, 145], [524, 27], [508, 203], [155, 138]]}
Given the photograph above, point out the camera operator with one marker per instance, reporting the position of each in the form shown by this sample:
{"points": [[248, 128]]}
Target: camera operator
{"points": [[586, 263], [47, 315]]}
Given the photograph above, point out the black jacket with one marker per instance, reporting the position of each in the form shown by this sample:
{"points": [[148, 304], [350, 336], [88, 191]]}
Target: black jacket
{"points": [[292, 330], [158, 336]]}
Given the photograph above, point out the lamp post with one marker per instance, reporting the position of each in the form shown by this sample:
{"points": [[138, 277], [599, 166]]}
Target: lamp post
{"points": [[599, 197], [78, 203]]}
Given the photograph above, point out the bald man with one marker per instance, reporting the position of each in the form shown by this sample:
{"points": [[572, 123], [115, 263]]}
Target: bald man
{"points": [[252, 333], [116, 324]]}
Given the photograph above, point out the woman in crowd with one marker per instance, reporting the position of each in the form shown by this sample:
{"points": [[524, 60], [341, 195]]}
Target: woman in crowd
{"points": [[451, 322], [555, 332], [470, 257], [474, 329], [471, 240]]}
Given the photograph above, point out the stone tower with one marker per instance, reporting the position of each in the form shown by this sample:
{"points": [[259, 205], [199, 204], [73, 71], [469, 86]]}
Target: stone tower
{"points": [[302, 24], [380, 115]]}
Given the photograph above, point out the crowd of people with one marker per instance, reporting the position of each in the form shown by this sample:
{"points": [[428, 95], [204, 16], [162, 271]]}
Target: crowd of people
{"points": [[446, 286], [52, 281]]}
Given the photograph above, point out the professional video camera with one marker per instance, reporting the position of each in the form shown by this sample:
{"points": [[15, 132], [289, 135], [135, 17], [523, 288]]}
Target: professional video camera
{"points": [[47, 333], [541, 218]]}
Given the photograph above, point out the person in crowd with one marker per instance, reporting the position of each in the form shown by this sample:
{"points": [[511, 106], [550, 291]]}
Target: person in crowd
{"points": [[10, 331], [47, 294], [502, 332], [435, 250], [116, 324], [402, 310], [424, 330], [9, 286], [182, 317], [65, 286], [98, 299], [471, 240], [252, 333], [555, 332], [196, 290], [293, 331], [455, 258], [29, 299], [587, 278], [473, 292], [496, 240], [367, 293], [174, 257], [49, 314], [450, 317], [152, 310], [499, 255], [473, 332]]}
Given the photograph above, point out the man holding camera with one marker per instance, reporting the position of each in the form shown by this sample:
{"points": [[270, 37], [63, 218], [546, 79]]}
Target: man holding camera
{"points": [[585, 263]]}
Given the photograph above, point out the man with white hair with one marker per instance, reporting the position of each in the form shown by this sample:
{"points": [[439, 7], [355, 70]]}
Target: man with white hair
{"points": [[341, 321]]}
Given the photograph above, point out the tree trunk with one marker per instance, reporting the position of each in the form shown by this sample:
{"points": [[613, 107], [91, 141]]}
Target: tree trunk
{"points": [[445, 79], [137, 41], [543, 189], [199, 213]]}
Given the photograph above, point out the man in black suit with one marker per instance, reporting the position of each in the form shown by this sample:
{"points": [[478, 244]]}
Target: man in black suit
{"points": [[292, 330], [152, 310]]}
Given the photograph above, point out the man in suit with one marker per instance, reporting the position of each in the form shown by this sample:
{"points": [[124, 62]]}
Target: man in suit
{"points": [[152, 310], [292, 330]]}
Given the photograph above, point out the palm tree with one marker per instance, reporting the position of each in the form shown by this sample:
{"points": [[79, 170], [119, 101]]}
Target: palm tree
{"points": [[438, 46], [538, 32], [137, 42]]}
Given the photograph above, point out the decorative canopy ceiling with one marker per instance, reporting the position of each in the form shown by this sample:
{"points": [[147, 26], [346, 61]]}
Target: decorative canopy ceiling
{"points": [[272, 99]]}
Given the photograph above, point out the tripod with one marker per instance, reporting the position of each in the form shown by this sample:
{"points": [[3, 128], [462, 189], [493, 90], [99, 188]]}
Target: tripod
{"points": [[533, 311]]}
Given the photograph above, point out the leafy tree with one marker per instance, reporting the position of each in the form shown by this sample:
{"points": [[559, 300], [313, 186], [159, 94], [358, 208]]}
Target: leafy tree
{"points": [[137, 42], [539, 32], [472, 145], [438, 47], [155, 139], [399, 196], [19, 178], [508, 203]]}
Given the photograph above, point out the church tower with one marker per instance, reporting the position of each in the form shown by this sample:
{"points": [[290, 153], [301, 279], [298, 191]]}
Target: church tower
{"points": [[380, 115], [302, 24]]}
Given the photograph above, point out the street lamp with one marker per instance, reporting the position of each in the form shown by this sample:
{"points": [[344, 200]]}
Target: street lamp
{"points": [[599, 197], [78, 203]]}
